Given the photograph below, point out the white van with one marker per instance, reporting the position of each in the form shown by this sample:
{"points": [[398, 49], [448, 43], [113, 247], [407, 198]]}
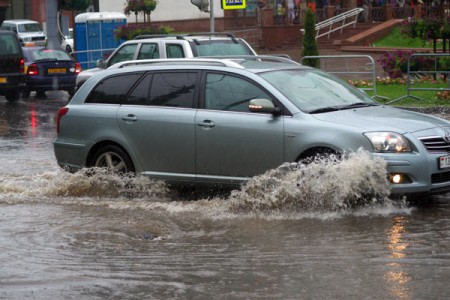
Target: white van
{"points": [[29, 32]]}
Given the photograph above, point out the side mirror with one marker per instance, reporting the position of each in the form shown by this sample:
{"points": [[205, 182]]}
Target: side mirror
{"points": [[101, 64], [262, 106]]}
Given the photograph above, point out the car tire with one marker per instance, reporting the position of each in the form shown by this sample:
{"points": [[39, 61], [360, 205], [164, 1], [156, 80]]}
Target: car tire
{"points": [[40, 94], [26, 93], [114, 158], [12, 96]]}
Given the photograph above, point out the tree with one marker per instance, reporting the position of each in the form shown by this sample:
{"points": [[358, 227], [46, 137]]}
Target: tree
{"points": [[74, 4], [137, 6], [309, 47]]}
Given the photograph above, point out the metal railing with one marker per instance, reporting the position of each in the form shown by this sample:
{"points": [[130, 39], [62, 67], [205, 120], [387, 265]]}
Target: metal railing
{"points": [[417, 72], [338, 22], [346, 66]]}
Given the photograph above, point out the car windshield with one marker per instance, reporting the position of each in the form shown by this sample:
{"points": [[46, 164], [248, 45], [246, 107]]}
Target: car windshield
{"points": [[44, 54], [221, 48], [29, 27], [314, 91]]}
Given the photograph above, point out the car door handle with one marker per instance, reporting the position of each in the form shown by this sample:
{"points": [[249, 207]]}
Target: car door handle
{"points": [[206, 123], [130, 118]]}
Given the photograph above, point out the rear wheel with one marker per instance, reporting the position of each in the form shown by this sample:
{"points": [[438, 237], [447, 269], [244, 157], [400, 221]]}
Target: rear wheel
{"points": [[12, 96], [26, 93], [114, 158]]}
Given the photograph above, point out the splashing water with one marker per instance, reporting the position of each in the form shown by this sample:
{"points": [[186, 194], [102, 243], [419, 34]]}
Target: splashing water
{"points": [[322, 186], [327, 184]]}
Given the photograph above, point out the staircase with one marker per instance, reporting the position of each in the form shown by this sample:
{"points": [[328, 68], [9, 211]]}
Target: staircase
{"points": [[337, 38]]}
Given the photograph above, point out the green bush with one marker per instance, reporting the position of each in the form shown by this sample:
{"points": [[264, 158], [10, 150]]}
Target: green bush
{"points": [[129, 32], [309, 43]]}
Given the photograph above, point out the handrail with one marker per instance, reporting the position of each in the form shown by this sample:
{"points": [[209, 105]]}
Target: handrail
{"points": [[353, 13]]}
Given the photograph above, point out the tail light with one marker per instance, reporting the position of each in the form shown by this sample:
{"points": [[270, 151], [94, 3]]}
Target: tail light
{"points": [[77, 68], [22, 65], [61, 113], [32, 70]]}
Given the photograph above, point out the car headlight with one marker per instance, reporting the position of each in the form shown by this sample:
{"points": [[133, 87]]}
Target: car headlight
{"points": [[388, 142], [27, 39]]}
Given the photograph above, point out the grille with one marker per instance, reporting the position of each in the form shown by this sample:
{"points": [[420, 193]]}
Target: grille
{"points": [[440, 177], [435, 144]]}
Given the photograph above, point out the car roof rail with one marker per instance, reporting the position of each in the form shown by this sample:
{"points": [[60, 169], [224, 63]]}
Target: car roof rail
{"points": [[178, 61], [226, 34], [156, 36], [278, 58], [213, 34]]}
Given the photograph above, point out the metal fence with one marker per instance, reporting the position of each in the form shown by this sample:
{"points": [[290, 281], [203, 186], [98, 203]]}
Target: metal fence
{"points": [[416, 69]]}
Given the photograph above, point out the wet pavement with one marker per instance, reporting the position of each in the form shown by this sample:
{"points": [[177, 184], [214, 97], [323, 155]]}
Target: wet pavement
{"points": [[93, 235]]}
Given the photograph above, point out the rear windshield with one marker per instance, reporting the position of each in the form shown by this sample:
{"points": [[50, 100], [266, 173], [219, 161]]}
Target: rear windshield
{"points": [[8, 45], [43, 54], [221, 48]]}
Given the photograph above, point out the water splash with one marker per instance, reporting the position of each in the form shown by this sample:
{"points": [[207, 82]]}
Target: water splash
{"points": [[328, 187], [326, 184]]}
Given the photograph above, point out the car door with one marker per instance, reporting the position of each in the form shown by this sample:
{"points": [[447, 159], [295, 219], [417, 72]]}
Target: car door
{"points": [[158, 122], [233, 142]]}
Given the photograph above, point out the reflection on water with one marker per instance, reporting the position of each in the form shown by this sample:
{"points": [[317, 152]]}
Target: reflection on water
{"points": [[397, 278]]}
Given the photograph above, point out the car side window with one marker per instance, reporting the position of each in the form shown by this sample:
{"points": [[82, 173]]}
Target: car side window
{"points": [[174, 51], [175, 89], [113, 90], [149, 51], [230, 93], [123, 54]]}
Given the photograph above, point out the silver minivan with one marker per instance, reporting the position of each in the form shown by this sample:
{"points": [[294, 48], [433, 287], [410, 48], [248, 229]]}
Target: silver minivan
{"points": [[29, 32], [222, 121]]}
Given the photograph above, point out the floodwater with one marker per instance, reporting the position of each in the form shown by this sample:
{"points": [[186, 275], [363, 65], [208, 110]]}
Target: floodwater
{"points": [[297, 232]]}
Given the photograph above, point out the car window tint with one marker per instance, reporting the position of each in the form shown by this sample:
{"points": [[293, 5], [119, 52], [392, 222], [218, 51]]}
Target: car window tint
{"points": [[124, 53], [113, 90], [8, 45], [165, 89], [225, 92], [220, 48], [174, 51], [42, 54], [149, 51]]}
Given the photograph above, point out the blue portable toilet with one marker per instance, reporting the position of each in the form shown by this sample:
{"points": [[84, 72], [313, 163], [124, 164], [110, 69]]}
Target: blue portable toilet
{"points": [[94, 36]]}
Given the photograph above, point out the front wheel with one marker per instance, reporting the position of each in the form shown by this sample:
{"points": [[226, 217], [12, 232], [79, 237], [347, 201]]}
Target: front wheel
{"points": [[113, 158]]}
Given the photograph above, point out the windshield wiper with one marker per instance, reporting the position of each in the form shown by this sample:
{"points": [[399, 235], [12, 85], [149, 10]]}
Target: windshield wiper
{"points": [[358, 104], [324, 110]]}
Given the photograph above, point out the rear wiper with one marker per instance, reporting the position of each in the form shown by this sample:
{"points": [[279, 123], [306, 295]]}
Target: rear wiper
{"points": [[324, 109]]}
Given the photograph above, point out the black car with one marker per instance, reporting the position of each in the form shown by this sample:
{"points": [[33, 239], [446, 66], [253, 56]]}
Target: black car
{"points": [[12, 76], [49, 69]]}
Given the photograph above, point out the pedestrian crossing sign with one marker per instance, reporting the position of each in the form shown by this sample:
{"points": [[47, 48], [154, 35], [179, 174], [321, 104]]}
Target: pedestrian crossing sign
{"points": [[234, 4]]}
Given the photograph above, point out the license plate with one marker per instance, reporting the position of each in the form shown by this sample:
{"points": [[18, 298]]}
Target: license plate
{"points": [[3, 80], [444, 162], [56, 70]]}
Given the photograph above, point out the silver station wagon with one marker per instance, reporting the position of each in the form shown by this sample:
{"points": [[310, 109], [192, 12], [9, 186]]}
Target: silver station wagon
{"points": [[222, 121]]}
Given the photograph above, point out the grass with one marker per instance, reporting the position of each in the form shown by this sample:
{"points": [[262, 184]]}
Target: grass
{"points": [[388, 91], [396, 40], [394, 90]]}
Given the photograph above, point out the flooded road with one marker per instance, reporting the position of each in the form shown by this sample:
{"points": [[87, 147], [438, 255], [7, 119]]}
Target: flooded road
{"points": [[293, 233]]}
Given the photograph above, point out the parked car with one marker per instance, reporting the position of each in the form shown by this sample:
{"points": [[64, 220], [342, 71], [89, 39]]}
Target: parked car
{"points": [[49, 69], [67, 41], [29, 32], [179, 46], [197, 121], [12, 77]]}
